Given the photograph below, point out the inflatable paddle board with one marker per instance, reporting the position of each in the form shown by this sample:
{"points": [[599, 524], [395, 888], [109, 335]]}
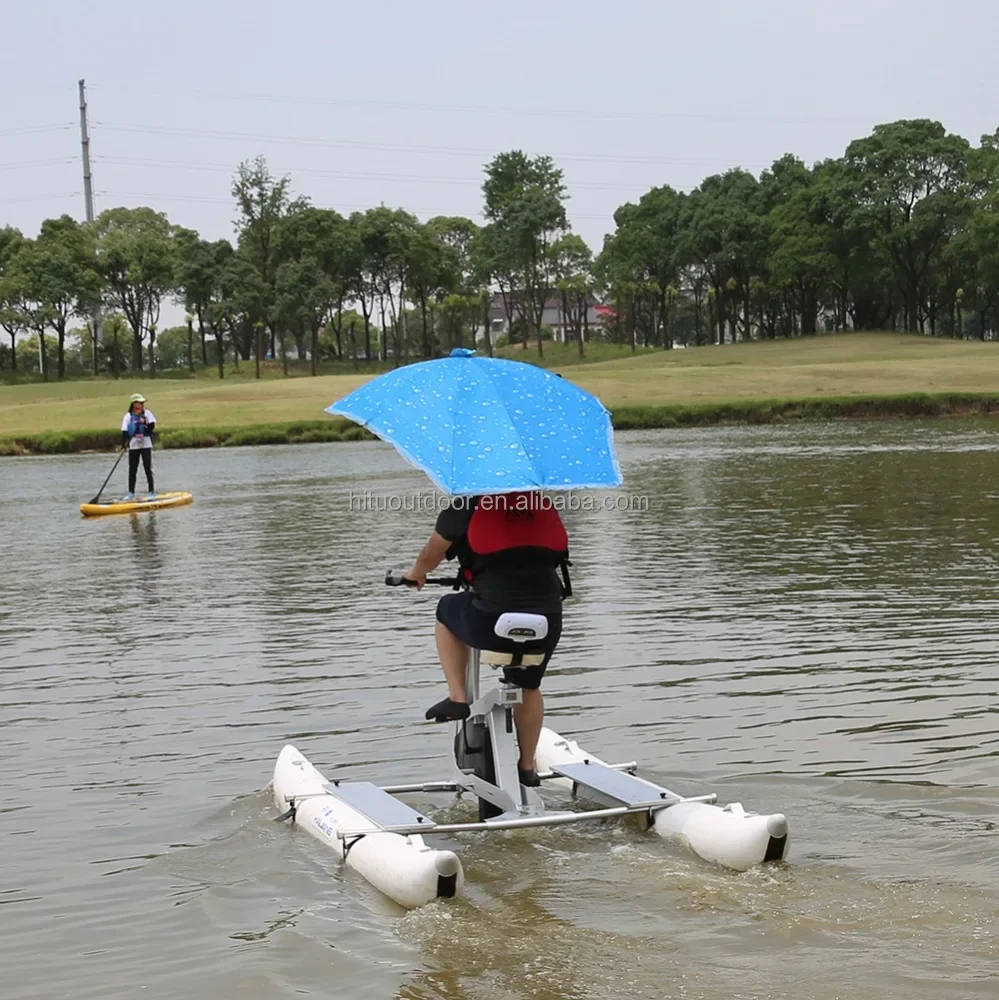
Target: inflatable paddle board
{"points": [[116, 505]]}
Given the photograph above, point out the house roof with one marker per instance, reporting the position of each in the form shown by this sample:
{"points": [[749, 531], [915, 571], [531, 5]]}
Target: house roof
{"points": [[497, 306]]}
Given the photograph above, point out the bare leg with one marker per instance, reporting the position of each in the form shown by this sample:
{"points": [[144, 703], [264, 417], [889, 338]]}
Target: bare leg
{"points": [[529, 716], [453, 654]]}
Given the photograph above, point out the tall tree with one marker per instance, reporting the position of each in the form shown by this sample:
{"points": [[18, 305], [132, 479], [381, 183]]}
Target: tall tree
{"points": [[572, 265], [309, 246], [136, 258], [262, 200], [432, 271], [798, 264], [387, 237], [860, 270], [205, 279], [495, 261], [703, 244], [981, 257], [59, 278], [361, 263], [481, 277], [525, 197], [11, 303], [244, 297], [644, 253], [459, 287], [913, 178]]}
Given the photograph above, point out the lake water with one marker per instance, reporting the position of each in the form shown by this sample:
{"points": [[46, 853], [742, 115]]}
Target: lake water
{"points": [[804, 620]]}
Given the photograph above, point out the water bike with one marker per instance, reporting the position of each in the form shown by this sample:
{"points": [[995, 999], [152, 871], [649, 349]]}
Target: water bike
{"points": [[382, 837]]}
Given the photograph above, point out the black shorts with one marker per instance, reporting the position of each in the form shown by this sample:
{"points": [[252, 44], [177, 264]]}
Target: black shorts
{"points": [[476, 627]]}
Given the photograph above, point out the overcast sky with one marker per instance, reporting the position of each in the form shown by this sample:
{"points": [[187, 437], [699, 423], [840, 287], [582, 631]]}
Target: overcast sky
{"points": [[403, 102]]}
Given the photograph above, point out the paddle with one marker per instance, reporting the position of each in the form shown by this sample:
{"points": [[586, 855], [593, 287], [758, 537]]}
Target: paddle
{"points": [[396, 579], [110, 474]]}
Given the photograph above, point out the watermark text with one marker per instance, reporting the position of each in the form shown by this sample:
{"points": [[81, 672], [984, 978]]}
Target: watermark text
{"points": [[432, 502]]}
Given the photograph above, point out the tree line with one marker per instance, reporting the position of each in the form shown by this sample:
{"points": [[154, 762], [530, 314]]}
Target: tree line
{"points": [[372, 285], [901, 232]]}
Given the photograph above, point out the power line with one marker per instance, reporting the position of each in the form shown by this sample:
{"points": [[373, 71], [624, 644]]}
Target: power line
{"points": [[105, 193], [39, 197], [480, 109], [26, 164], [35, 91], [391, 147], [33, 129]]}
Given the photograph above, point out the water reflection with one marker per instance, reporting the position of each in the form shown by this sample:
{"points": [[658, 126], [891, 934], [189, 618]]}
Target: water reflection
{"points": [[147, 553]]}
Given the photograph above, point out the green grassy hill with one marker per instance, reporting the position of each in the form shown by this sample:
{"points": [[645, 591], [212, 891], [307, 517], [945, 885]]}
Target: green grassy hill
{"points": [[657, 388]]}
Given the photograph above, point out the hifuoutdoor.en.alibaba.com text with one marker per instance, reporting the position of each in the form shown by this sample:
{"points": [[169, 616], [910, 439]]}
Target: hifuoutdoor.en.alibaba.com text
{"points": [[430, 501]]}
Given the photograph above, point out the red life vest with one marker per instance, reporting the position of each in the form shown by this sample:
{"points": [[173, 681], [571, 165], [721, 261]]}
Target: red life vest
{"points": [[515, 530]]}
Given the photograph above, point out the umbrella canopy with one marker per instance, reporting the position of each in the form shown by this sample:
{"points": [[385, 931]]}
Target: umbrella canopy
{"points": [[478, 425]]}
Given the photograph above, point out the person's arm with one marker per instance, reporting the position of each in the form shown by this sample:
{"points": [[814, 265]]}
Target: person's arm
{"points": [[430, 557], [150, 425], [124, 432], [452, 523]]}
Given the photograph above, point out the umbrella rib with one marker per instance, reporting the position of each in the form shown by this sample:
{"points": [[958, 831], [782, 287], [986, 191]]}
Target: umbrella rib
{"points": [[523, 448], [454, 425]]}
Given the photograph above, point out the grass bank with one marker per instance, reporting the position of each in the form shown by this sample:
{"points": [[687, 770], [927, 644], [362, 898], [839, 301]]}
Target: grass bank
{"points": [[771, 411], [624, 418], [839, 376], [297, 432]]}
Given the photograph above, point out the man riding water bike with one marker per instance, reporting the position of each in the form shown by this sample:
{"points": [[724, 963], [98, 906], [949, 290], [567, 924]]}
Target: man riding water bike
{"points": [[137, 428], [509, 548]]}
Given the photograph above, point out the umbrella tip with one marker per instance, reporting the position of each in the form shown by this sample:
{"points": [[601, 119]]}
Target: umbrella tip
{"points": [[461, 352]]}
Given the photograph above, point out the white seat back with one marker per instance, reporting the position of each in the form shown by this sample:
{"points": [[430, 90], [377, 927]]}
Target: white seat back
{"points": [[520, 627]]}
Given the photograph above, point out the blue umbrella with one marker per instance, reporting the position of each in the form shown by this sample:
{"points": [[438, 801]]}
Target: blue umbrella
{"points": [[480, 425]]}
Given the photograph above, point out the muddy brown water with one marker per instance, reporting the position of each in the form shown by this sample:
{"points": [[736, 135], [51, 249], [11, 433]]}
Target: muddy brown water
{"points": [[804, 620]]}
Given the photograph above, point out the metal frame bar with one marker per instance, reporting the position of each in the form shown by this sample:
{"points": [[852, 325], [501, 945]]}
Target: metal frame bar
{"points": [[521, 822]]}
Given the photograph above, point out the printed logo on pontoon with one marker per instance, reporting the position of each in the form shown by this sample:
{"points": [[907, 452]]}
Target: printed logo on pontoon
{"points": [[322, 823], [529, 632]]}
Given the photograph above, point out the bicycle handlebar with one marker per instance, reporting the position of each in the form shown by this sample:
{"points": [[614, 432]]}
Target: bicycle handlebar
{"points": [[395, 578]]}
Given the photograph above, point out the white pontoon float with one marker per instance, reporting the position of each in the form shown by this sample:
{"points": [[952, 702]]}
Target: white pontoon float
{"points": [[382, 837]]}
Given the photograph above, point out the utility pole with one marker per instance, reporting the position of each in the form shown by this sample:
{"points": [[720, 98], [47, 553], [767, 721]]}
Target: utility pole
{"points": [[88, 198], [88, 190]]}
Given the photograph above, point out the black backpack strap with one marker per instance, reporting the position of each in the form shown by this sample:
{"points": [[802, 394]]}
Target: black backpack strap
{"points": [[459, 550], [566, 582]]}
